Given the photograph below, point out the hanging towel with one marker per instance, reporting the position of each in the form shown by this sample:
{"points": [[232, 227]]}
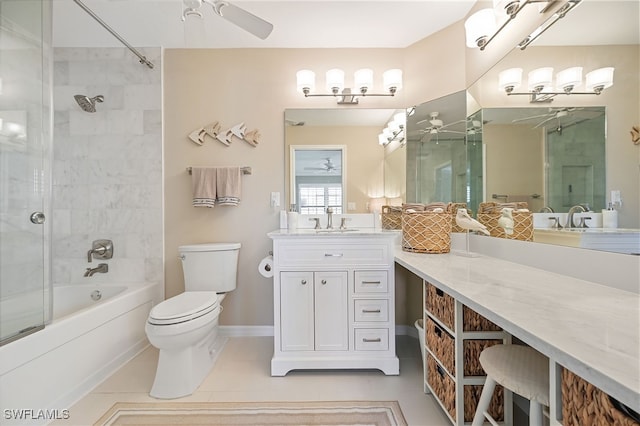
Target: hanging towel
{"points": [[228, 188], [203, 185]]}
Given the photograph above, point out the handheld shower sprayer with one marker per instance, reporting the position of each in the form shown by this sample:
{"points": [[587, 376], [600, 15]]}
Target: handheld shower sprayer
{"points": [[88, 104]]}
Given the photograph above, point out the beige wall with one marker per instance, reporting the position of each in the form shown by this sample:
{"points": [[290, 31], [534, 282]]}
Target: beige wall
{"points": [[365, 158], [253, 86], [514, 156]]}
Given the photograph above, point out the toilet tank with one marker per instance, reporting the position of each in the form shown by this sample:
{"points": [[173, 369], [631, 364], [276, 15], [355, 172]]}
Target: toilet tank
{"points": [[210, 267]]}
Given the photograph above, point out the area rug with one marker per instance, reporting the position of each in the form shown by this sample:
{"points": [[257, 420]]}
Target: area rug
{"points": [[375, 413]]}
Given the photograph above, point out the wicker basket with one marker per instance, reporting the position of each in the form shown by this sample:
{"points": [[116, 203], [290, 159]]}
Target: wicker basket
{"points": [[473, 321], [585, 405], [442, 345], [391, 217], [444, 389], [426, 232], [442, 385], [440, 305], [522, 225], [472, 396], [472, 349]]}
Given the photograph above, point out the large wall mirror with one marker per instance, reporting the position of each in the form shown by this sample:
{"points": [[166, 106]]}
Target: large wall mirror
{"points": [[338, 151], [436, 151]]}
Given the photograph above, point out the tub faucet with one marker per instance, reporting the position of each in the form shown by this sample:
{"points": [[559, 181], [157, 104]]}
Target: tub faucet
{"points": [[103, 268], [329, 218], [579, 208]]}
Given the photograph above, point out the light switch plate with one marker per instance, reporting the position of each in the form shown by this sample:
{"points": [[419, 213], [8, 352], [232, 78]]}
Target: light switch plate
{"points": [[351, 206], [275, 199]]}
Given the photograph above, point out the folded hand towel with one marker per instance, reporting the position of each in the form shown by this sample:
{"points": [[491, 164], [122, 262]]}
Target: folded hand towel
{"points": [[228, 188], [203, 185]]}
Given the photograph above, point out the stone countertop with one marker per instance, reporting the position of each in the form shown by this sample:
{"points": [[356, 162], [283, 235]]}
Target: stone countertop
{"points": [[334, 233], [589, 328]]}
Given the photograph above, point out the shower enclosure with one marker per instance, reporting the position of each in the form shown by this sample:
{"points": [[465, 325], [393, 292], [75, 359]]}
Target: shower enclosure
{"points": [[25, 149]]}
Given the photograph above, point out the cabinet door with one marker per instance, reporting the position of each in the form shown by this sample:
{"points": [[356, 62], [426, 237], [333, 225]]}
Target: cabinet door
{"points": [[296, 311], [331, 312]]}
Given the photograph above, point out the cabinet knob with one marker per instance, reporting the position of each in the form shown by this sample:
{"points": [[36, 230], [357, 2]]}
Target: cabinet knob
{"points": [[323, 282], [303, 282]]}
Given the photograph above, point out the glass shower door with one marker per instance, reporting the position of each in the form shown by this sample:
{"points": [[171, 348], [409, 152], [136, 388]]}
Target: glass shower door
{"points": [[24, 176]]}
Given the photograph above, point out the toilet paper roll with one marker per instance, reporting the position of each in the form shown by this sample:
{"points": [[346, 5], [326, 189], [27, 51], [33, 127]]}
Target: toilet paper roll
{"points": [[266, 267]]}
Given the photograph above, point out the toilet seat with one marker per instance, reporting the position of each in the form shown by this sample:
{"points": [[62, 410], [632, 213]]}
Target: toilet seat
{"points": [[184, 307]]}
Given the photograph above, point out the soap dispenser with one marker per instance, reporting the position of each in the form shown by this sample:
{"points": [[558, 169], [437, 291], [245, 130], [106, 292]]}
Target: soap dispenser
{"points": [[610, 217]]}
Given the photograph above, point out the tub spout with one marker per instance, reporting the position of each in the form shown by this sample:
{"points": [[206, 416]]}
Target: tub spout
{"points": [[102, 268]]}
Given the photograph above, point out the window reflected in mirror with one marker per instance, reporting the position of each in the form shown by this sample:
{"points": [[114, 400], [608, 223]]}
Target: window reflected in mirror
{"points": [[317, 179]]}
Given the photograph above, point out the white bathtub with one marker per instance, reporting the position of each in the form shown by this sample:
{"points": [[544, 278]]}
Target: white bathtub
{"points": [[86, 342]]}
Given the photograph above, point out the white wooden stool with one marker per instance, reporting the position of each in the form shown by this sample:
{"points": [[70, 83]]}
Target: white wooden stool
{"points": [[521, 370]]}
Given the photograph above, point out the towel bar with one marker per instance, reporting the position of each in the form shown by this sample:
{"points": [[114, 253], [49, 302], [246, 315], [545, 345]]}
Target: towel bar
{"points": [[245, 170]]}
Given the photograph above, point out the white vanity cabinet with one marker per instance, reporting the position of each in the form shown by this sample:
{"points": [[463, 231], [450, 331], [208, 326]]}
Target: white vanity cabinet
{"points": [[334, 301], [313, 311]]}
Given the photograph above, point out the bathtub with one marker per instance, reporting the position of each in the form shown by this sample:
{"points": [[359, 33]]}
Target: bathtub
{"points": [[44, 373]]}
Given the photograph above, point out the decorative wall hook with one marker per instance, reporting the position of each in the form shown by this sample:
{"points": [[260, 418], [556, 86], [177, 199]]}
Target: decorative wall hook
{"points": [[213, 130], [635, 135]]}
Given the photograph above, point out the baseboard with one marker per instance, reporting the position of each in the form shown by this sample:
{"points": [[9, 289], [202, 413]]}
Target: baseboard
{"points": [[267, 330], [245, 330]]}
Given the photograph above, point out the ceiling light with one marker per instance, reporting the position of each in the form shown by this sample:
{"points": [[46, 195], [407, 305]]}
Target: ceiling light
{"points": [[540, 82], [363, 81], [481, 27]]}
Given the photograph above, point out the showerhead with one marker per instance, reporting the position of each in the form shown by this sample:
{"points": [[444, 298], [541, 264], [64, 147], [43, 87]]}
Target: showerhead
{"points": [[88, 104]]}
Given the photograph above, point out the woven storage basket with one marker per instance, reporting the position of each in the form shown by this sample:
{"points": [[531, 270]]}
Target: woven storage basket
{"points": [[585, 405], [522, 225], [472, 349], [442, 385], [472, 396], [441, 305], [391, 218], [426, 232], [442, 345], [473, 321]]}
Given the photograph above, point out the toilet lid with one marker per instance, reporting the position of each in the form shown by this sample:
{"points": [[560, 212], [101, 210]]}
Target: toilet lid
{"points": [[184, 307]]}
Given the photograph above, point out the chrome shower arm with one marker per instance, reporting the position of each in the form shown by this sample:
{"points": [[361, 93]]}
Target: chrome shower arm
{"points": [[143, 59]]}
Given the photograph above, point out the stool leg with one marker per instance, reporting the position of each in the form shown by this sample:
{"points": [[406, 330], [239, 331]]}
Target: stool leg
{"points": [[535, 413], [485, 400]]}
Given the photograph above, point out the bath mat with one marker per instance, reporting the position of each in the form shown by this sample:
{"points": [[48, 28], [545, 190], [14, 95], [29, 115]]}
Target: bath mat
{"points": [[377, 413]]}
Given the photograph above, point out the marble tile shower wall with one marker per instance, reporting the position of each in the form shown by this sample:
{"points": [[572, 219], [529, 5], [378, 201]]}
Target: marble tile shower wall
{"points": [[107, 168]]}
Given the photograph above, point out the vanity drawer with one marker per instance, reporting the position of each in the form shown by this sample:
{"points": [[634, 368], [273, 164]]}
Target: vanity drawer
{"points": [[440, 305], [372, 339], [319, 254], [441, 344], [371, 310], [371, 282]]}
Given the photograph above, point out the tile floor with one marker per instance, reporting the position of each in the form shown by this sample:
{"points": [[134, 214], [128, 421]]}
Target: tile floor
{"points": [[242, 373]]}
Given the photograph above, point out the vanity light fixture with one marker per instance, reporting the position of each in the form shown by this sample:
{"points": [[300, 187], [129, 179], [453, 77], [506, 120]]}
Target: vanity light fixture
{"points": [[363, 81], [540, 82], [483, 26], [394, 130]]}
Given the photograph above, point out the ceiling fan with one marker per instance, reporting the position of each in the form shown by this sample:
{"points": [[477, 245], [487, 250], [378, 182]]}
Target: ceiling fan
{"points": [[327, 166], [438, 126], [240, 17], [553, 113]]}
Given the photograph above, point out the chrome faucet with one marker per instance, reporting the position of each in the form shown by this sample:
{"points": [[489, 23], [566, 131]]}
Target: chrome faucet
{"points": [[329, 218], [103, 268], [546, 209], [579, 208]]}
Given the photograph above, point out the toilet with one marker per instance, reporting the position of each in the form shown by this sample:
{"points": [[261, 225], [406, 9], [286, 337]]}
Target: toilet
{"points": [[185, 327]]}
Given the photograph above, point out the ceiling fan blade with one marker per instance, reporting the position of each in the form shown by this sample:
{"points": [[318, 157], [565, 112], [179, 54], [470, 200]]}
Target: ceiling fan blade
{"points": [[533, 117], [245, 20], [543, 121]]}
